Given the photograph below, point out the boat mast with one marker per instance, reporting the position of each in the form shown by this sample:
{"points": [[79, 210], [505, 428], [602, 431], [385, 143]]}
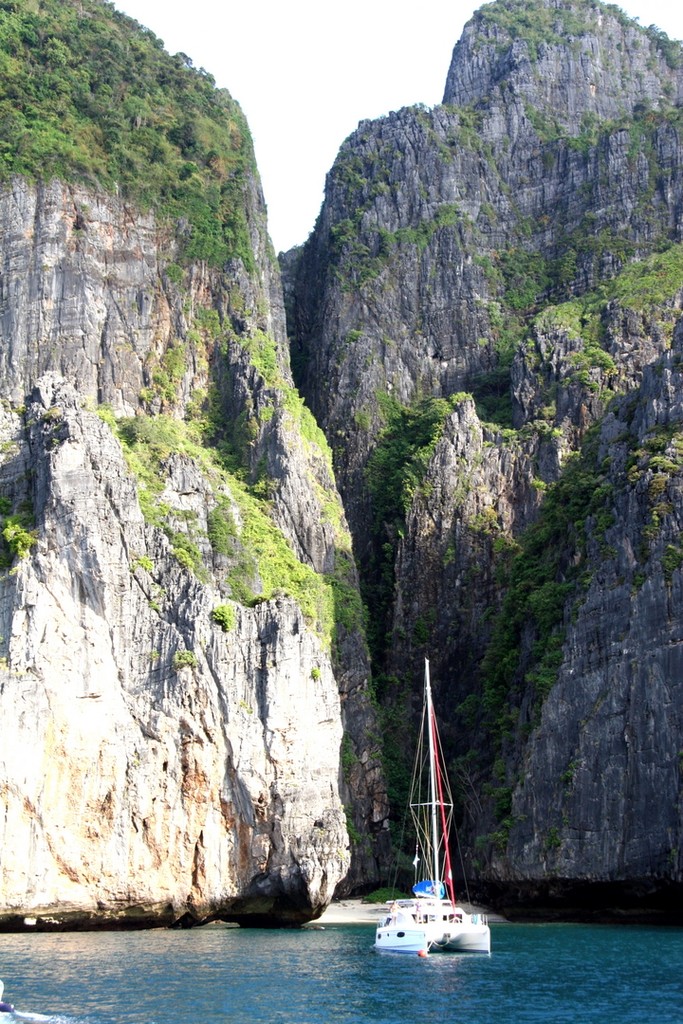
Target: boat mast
{"points": [[432, 777]]}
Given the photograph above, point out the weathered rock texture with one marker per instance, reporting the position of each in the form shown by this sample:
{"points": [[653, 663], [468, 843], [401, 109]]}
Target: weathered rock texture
{"points": [[607, 745], [163, 768], [138, 790], [483, 252], [493, 292]]}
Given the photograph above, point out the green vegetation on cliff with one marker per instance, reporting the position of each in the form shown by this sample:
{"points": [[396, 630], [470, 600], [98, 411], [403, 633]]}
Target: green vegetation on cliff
{"points": [[395, 471], [538, 23], [88, 95], [17, 533], [259, 562], [526, 646], [541, 24]]}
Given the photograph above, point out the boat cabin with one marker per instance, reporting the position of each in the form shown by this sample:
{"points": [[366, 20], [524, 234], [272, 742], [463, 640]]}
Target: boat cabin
{"points": [[404, 913]]}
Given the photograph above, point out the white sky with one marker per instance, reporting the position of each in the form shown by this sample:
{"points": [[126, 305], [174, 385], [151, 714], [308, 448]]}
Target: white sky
{"points": [[305, 74]]}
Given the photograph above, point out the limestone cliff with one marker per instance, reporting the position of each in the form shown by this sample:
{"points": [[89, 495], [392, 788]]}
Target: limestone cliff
{"points": [[488, 297], [183, 657], [486, 324], [597, 796], [158, 769]]}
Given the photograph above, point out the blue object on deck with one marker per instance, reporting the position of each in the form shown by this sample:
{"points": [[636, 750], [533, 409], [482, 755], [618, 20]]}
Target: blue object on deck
{"points": [[430, 889]]}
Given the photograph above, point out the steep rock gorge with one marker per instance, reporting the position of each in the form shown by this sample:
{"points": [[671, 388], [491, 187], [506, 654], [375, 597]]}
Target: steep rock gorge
{"points": [[183, 651], [484, 323]]}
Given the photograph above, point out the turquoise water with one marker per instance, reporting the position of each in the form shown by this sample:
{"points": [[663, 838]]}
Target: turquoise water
{"points": [[553, 974]]}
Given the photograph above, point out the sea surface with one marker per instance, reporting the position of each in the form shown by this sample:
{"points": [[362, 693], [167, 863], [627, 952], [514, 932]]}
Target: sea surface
{"points": [[552, 973]]}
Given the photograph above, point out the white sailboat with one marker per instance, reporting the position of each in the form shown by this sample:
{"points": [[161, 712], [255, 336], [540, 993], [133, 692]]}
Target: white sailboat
{"points": [[431, 921]]}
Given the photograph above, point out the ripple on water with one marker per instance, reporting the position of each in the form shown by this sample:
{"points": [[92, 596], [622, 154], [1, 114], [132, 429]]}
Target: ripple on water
{"points": [[554, 974]]}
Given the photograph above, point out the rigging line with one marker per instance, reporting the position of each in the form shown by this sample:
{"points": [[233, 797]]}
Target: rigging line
{"points": [[448, 872], [417, 797], [436, 868], [409, 809], [453, 825]]}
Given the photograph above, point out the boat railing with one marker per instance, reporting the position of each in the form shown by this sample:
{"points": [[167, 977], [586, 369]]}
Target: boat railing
{"points": [[424, 910]]}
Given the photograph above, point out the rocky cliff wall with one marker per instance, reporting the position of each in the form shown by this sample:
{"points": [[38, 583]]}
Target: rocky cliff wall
{"points": [[569, 62], [90, 290], [429, 229], [515, 255], [598, 794], [159, 768], [206, 751]]}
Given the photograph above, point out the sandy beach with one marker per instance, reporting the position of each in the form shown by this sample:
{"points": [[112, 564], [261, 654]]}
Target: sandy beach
{"points": [[349, 912], [356, 911]]}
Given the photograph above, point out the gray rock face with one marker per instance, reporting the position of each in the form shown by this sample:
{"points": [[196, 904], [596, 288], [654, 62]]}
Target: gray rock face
{"points": [[160, 787], [86, 294], [571, 62], [397, 290], [607, 744], [477, 490], [205, 753], [484, 247]]}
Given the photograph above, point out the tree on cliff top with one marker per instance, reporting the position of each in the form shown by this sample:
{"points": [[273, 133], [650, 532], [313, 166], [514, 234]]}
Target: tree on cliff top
{"points": [[87, 94]]}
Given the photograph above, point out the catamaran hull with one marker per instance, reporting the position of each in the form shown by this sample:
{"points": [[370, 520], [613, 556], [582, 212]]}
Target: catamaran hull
{"points": [[403, 940], [471, 940], [475, 939]]}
